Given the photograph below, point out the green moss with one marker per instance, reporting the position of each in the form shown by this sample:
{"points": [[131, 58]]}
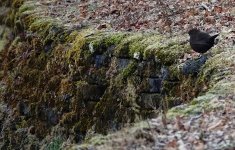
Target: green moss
{"points": [[206, 102], [42, 24], [142, 46], [17, 3], [199, 105], [101, 42], [210, 78], [175, 72], [114, 39], [224, 87], [169, 54], [148, 45], [72, 36], [10, 19], [106, 39], [55, 144], [129, 69], [31, 15], [94, 45], [97, 140], [27, 6], [136, 49], [123, 48], [193, 102], [28, 17], [77, 45], [216, 68], [23, 124]]}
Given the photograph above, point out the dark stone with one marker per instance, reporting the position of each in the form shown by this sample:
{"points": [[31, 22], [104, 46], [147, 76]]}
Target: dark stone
{"points": [[52, 116], [96, 77], [150, 85], [67, 100], [148, 69], [193, 66], [99, 61], [48, 46], [149, 101], [173, 101], [155, 85], [91, 92], [110, 50], [48, 114], [67, 97], [164, 73], [23, 108], [122, 63]]}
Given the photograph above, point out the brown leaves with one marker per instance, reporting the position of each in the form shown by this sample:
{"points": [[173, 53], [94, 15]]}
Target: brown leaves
{"points": [[179, 125], [163, 16], [218, 9], [212, 129]]}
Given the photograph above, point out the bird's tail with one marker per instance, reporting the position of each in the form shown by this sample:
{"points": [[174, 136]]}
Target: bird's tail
{"points": [[212, 38]]}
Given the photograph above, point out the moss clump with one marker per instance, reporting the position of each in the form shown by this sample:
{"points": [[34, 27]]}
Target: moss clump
{"points": [[72, 36], [114, 39], [197, 106], [41, 25], [129, 69], [101, 42], [168, 54], [224, 87], [123, 48], [27, 6], [141, 46], [216, 68], [73, 54]]}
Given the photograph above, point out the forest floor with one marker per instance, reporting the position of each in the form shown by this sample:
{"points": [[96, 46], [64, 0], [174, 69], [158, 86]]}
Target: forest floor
{"points": [[143, 15]]}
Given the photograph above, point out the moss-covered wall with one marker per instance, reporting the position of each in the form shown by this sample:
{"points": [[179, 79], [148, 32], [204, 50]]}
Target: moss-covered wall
{"points": [[62, 82]]}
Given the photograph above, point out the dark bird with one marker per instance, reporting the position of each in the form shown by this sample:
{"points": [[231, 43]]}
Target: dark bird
{"points": [[200, 41]]}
